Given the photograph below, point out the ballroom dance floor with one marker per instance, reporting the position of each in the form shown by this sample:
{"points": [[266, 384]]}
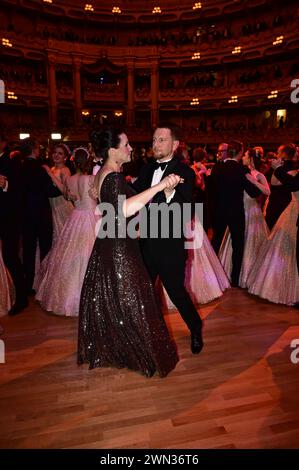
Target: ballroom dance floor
{"points": [[242, 391]]}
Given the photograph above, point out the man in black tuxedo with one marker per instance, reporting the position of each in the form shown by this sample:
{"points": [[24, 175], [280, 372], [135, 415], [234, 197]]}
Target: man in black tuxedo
{"points": [[166, 257], [37, 214], [227, 185], [10, 223], [290, 183]]}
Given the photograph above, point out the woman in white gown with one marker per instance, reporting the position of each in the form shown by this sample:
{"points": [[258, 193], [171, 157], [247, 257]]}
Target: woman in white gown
{"points": [[205, 278], [59, 281], [61, 208], [274, 275], [256, 230]]}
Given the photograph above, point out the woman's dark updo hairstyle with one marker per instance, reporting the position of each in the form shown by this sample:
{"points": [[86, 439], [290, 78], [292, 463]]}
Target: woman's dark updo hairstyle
{"points": [[254, 156], [105, 139]]}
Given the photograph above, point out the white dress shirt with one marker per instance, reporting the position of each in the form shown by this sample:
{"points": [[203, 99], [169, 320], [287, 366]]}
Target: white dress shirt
{"points": [[157, 176], [96, 168]]}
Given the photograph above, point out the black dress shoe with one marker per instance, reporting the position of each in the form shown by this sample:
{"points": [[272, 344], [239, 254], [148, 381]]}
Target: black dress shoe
{"points": [[196, 343], [18, 307], [234, 284], [31, 292]]}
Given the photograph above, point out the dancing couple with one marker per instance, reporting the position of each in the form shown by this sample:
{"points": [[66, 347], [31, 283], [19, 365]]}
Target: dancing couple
{"points": [[120, 321]]}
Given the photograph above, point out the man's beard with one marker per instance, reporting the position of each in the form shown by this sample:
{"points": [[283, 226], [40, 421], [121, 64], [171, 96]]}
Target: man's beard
{"points": [[159, 155]]}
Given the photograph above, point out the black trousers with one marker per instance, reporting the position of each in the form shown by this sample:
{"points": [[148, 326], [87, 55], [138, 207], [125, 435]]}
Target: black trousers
{"points": [[10, 237], [236, 225], [38, 229], [170, 267]]}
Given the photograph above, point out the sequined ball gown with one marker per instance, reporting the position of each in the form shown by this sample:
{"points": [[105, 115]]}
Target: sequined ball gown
{"points": [[120, 321]]}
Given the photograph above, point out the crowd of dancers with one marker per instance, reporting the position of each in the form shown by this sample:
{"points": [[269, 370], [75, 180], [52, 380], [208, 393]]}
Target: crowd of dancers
{"points": [[49, 224]]}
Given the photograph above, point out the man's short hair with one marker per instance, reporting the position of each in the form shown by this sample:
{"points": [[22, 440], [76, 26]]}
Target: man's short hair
{"points": [[27, 146], [175, 130], [235, 147]]}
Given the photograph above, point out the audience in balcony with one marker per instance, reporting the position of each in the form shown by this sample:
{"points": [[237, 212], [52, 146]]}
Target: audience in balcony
{"points": [[203, 34], [23, 74], [267, 73]]}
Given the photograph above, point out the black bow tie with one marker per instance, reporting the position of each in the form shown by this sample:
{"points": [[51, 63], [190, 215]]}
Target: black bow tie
{"points": [[160, 165]]}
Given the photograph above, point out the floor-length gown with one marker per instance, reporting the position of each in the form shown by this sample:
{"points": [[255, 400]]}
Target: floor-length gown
{"points": [[205, 278], [274, 275], [256, 232], [6, 288], [59, 281], [61, 208], [120, 321]]}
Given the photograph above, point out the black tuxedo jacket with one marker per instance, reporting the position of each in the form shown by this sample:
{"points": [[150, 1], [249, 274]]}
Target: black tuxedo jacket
{"points": [[290, 183], [227, 184], [10, 201], [37, 188], [183, 194]]}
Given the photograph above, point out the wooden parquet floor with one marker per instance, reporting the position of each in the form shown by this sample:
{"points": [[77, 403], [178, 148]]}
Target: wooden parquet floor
{"points": [[242, 391]]}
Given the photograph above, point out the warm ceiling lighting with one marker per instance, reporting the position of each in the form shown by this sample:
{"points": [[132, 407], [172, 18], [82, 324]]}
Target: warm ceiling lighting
{"points": [[116, 10], [273, 94], [47, 1], [278, 41], [196, 6], [233, 99], [85, 113], [11, 95], [237, 50], [6, 42], [194, 102], [157, 10], [118, 113], [195, 56], [56, 136], [88, 7]]}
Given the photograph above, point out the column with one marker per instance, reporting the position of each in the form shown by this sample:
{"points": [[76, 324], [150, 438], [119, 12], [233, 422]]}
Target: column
{"points": [[130, 79], [77, 89], [52, 92], [154, 94]]}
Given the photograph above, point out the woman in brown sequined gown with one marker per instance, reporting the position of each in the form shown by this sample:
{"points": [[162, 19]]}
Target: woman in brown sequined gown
{"points": [[120, 321]]}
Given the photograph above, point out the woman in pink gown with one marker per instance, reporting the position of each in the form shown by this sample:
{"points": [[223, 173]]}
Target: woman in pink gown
{"points": [[61, 208], [256, 230], [205, 278], [60, 278], [274, 275]]}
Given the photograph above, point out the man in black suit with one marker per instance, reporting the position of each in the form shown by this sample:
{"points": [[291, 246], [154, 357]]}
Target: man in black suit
{"points": [[166, 257], [227, 185], [10, 223], [37, 214], [280, 197], [290, 183]]}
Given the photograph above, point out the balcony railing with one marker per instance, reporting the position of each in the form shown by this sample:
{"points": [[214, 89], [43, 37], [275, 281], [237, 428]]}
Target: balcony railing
{"points": [[103, 92]]}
